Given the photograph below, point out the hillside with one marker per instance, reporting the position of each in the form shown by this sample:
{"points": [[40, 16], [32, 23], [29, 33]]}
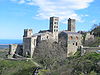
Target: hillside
{"points": [[52, 57], [88, 64], [93, 42], [49, 54], [11, 67], [15, 67], [96, 31], [85, 65]]}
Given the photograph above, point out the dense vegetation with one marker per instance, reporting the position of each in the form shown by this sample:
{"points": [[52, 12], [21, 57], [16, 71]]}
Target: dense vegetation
{"points": [[88, 64], [96, 30], [96, 33], [53, 58], [93, 42], [48, 54], [84, 65]]}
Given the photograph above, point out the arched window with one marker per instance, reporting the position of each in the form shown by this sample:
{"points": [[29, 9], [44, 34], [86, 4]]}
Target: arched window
{"points": [[56, 19], [76, 38], [70, 38]]}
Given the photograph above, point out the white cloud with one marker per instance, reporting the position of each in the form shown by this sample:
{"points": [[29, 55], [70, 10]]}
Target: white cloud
{"points": [[13, 0], [94, 21], [21, 1], [85, 15], [61, 8]]}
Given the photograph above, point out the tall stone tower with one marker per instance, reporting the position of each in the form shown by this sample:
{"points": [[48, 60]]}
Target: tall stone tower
{"points": [[54, 27], [28, 32], [27, 43], [71, 25]]}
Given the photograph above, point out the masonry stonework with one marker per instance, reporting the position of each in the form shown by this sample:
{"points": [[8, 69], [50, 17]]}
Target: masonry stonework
{"points": [[30, 40], [14, 49], [71, 25]]}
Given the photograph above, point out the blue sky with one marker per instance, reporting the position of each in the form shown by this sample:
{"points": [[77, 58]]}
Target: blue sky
{"points": [[17, 15]]}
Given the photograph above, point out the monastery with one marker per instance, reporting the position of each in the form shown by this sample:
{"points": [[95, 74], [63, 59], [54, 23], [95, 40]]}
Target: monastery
{"points": [[30, 40]]}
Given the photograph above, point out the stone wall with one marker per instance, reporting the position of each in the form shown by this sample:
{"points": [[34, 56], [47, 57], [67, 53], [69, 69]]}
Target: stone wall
{"points": [[14, 49], [71, 25], [85, 50], [29, 45], [73, 43], [89, 37]]}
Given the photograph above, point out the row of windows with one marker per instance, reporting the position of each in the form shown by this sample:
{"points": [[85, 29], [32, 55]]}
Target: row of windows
{"points": [[71, 38], [55, 26], [54, 22], [55, 30]]}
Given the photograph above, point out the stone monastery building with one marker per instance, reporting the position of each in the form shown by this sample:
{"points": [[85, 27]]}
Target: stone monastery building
{"points": [[30, 40]]}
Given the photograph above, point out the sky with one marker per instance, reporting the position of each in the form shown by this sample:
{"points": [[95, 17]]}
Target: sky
{"points": [[17, 15]]}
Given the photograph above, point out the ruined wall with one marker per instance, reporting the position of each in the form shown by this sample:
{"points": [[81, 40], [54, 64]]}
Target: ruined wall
{"points": [[85, 50], [14, 49], [73, 43], [89, 37]]}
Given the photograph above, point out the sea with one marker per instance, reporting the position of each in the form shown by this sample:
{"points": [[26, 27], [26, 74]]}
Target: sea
{"points": [[4, 43]]}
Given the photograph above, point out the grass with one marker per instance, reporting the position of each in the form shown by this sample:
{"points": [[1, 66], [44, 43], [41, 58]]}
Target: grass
{"points": [[3, 53], [16, 67], [11, 67]]}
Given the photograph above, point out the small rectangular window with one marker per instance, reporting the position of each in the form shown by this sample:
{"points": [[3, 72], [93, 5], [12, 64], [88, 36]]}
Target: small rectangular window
{"points": [[76, 43]]}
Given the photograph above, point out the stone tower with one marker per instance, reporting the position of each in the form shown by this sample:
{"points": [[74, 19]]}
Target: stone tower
{"points": [[28, 48], [71, 25], [54, 27], [28, 32]]}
